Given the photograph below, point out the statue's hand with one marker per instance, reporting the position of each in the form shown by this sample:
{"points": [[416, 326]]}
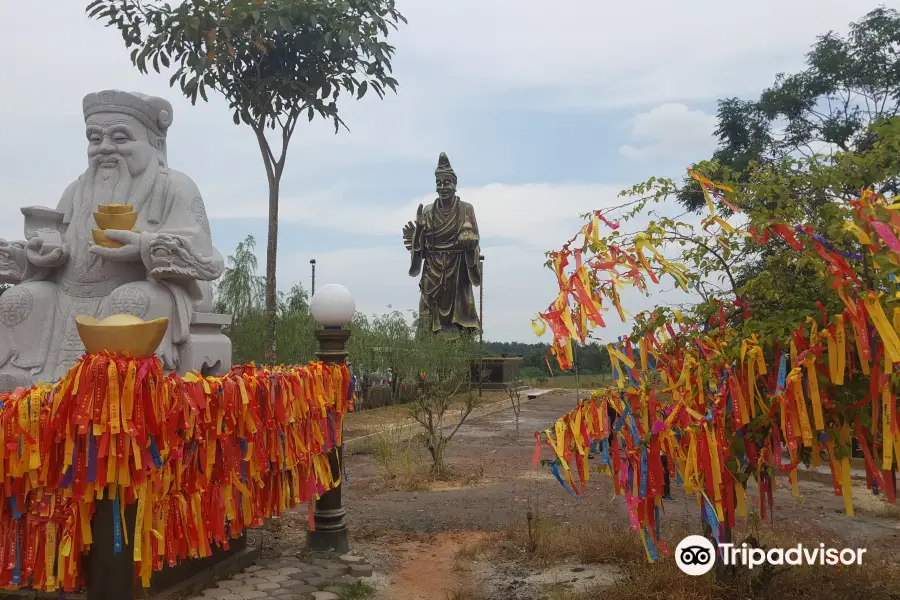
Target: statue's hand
{"points": [[420, 217], [45, 254], [468, 240], [409, 230], [128, 252], [12, 261]]}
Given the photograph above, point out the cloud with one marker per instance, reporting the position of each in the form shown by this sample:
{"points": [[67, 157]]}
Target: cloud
{"points": [[588, 54], [539, 214], [671, 131], [460, 64], [518, 223], [516, 287]]}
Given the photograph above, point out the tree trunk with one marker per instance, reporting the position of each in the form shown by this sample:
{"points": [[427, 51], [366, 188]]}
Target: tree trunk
{"points": [[271, 263], [274, 169]]}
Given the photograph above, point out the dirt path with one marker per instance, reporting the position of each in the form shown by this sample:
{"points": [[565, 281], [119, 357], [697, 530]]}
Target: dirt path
{"points": [[424, 544], [427, 567]]}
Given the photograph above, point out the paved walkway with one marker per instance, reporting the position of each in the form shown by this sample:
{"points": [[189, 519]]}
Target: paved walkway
{"points": [[291, 578]]}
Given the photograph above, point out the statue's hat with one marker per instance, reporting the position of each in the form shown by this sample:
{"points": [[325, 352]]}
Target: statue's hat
{"points": [[443, 167], [155, 113]]}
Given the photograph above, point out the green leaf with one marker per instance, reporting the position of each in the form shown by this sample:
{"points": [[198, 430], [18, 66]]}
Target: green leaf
{"points": [[362, 89], [286, 25], [96, 9]]}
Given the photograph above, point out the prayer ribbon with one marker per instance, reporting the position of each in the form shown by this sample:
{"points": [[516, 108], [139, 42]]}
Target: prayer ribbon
{"points": [[202, 458]]}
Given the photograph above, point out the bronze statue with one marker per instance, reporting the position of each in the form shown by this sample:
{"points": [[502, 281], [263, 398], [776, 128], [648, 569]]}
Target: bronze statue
{"points": [[443, 243]]}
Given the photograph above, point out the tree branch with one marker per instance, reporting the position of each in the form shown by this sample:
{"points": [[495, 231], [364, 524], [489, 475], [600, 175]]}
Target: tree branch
{"points": [[287, 130], [469, 408], [718, 256], [264, 147]]}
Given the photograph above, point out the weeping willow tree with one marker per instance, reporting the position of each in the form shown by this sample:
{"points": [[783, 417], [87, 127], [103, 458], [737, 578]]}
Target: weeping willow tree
{"points": [[241, 290], [241, 293]]}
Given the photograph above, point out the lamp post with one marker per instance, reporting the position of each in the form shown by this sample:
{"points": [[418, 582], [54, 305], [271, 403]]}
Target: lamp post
{"points": [[312, 292], [332, 308]]}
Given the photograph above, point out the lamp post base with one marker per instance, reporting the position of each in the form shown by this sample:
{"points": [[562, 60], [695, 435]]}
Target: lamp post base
{"points": [[331, 534]]}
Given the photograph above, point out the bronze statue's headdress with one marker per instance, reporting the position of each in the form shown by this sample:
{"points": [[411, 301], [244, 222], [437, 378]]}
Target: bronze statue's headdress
{"points": [[444, 168]]}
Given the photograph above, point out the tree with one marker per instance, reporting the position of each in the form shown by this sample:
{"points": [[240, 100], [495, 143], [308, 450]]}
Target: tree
{"points": [[296, 327], [444, 368], [849, 84], [272, 60], [241, 290], [383, 347], [295, 301], [515, 399], [846, 246]]}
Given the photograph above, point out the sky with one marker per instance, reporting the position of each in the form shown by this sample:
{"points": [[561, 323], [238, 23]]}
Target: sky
{"points": [[543, 117]]}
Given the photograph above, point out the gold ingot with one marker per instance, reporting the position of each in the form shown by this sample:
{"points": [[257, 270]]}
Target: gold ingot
{"points": [[100, 239], [115, 220], [115, 209], [120, 334]]}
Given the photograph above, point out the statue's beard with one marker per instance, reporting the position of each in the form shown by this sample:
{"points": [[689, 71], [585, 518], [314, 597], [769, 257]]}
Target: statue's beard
{"points": [[116, 185]]}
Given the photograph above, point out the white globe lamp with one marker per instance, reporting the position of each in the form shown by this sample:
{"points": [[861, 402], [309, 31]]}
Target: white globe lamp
{"points": [[332, 306]]}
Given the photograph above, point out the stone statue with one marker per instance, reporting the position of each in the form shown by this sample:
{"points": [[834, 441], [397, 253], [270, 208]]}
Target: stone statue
{"points": [[162, 268], [443, 243]]}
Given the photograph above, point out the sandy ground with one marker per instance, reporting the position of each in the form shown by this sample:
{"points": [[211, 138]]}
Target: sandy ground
{"points": [[414, 538]]}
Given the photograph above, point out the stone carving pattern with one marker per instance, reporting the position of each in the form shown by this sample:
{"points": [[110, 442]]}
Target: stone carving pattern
{"points": [[200, 213], [130, 300], [15, 306]]}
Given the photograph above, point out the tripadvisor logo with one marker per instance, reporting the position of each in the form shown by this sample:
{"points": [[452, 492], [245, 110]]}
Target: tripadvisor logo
{"points": [[696, 555]]}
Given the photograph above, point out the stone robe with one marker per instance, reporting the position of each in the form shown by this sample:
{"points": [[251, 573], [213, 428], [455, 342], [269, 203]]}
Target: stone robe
{"points": [[38, 337], [448, 271]]}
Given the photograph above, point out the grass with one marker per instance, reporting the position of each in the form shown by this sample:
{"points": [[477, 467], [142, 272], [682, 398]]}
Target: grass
{"points": [[562, 593], [358, 591], [405, 465], [401, 462], [598, 541], [468, 553], [568, 382], [466, 593], [378, 420], [591, 541]]}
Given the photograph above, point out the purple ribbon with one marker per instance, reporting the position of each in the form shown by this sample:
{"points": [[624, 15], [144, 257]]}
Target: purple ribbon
{"points": [[828, 245]]}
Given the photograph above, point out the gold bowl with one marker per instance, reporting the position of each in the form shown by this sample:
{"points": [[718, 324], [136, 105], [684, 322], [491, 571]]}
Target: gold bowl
{"points": [[115, 209], [121, 334], [115, 220]]}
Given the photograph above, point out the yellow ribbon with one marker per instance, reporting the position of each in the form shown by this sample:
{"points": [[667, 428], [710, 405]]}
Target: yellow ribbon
{"points": [[885, 330], [813, 384]]}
